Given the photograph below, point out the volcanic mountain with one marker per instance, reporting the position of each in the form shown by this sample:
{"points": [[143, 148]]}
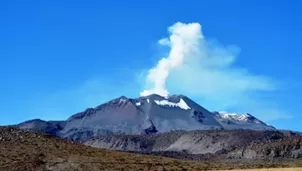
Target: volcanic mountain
{"points": [[147, 115]]}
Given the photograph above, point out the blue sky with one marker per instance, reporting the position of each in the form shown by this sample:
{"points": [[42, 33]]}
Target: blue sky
{"points": [[58, 58]]}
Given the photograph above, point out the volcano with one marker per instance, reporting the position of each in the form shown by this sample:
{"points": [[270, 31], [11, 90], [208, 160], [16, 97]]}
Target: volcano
{"points": [[144, 115]]}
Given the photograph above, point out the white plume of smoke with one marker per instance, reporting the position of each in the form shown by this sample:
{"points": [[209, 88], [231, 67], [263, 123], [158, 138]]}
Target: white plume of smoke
{"points": [[205, 70], [183, 41]]}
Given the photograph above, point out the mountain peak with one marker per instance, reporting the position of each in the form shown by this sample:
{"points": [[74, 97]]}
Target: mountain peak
{"points": [[169, 101], [164, 97], [178, 95], [123, 97], [152, 96]]}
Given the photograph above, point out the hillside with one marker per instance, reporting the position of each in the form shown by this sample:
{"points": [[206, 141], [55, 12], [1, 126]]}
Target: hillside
{"points": [[237, 144], [23, 150]]}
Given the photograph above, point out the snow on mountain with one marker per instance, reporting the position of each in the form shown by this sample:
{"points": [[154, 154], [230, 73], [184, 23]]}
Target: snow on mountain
{"points": [[181, 104], [240, 121]]}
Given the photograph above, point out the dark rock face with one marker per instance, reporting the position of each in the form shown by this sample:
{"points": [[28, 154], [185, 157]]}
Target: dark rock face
{"points": [[198, 116], [151, 129]]}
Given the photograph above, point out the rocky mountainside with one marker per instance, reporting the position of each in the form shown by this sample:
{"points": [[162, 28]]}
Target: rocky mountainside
{"points": [[147, 115], [27, 151], [237, 144]]}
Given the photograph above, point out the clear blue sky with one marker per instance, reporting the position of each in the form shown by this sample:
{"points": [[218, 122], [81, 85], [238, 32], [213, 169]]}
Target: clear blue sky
{"points": [[60, 57]]}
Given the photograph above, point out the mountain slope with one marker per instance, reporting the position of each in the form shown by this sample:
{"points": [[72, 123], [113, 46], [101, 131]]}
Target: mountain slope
{"points": [[208, 145], [191, 142], [27, 151], [147, 115]]}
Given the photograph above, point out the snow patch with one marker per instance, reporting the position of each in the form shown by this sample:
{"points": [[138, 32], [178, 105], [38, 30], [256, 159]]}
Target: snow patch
{"points": [[236, 116], [148, 101], [181, 104], [122, 101], [138, 103], [232, 116]]}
